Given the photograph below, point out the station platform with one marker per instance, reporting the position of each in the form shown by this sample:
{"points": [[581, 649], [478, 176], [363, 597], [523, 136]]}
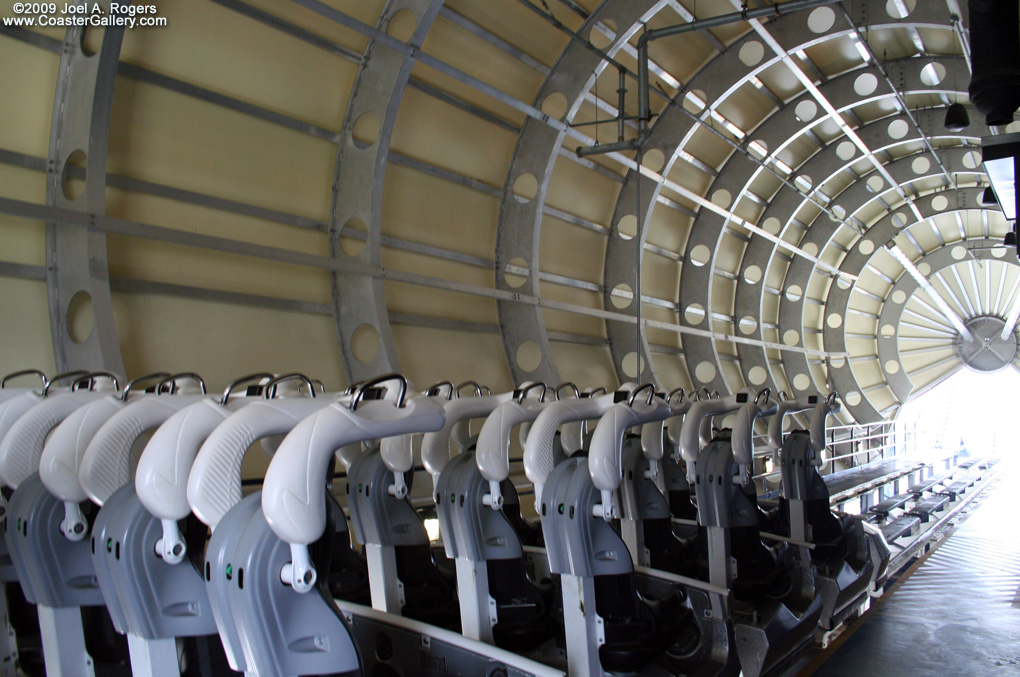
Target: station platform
{"points": [[956, 611]]}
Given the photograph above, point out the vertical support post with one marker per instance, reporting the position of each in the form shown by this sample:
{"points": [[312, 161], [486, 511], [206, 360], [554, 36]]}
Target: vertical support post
{"points": [[720, 571], [585, 631], [384, 584], [8, 640], [63, 640], [153, 657], [476, 606]]}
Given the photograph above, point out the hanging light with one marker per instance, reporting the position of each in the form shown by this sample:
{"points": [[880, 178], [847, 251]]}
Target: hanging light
{"points": [[957, 119]]}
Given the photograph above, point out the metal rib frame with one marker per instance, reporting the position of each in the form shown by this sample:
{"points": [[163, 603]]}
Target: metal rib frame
{"points": [[78, 279]]}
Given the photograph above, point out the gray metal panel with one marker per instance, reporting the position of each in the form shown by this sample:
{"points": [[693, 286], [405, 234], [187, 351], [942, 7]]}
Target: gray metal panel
{"points": [[358, 189], [76, 258]]}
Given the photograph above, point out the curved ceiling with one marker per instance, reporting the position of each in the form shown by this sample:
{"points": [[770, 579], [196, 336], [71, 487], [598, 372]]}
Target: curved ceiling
{"points": [[798, 217]]}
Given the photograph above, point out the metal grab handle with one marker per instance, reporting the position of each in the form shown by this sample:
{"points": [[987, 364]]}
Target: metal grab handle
{"points": [[674, 391], [259, 376], [572, 385], [172, 380], [376, 381], [524, 390], [135, 381], [91, 378], [478, 388], [23, 372], [269, 390], [61, 377], [650, 387], [437, 388]]}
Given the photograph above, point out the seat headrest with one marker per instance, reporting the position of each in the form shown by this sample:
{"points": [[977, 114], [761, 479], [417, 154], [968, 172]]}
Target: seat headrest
{"points": [[23, 444], [214, 484]]}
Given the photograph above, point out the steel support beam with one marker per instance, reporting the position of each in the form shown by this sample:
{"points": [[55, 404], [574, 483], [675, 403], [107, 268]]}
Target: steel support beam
{"points": [[359, 302], [76, 259]]}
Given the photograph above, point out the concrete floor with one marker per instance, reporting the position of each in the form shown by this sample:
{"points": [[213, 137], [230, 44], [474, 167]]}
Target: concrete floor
{"points": [[956, 611]]}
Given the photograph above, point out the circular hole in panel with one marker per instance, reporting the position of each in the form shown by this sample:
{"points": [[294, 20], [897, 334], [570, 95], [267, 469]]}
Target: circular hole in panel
{"points": [[865, 84], [791, 337], [772, 225], [353, 236], [80, 317], [91, 40], [998, 251], [899, 9], [892, 367], [843, 283], [925, 268], [365, 343], [837, 362], [794, 293], [752, 275], [866, 247], [806, 110], [920, 165], [801, 381], [695, 314], [516, 272], [835, 321], [528, 356], [603, 33], [757, 375], [627, 227], [630, 365], [722, 197], [839, 211], [846, 150], [705, 372], [804, 182], [654, 159], [747, 325], [401, 25], [622, 295], [810, 248], [729, 421], [897, 129], [758, 149], [888, 330], [751, 53], [899, 220], [972, 159], [366, 130], [939, 202], [73, 176], [525, 188], [899, 297], [821, 19], [933, 73], [853, 398], [695, 100], [701, 255], [875, 183], [959, 252], [555, 105]]}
